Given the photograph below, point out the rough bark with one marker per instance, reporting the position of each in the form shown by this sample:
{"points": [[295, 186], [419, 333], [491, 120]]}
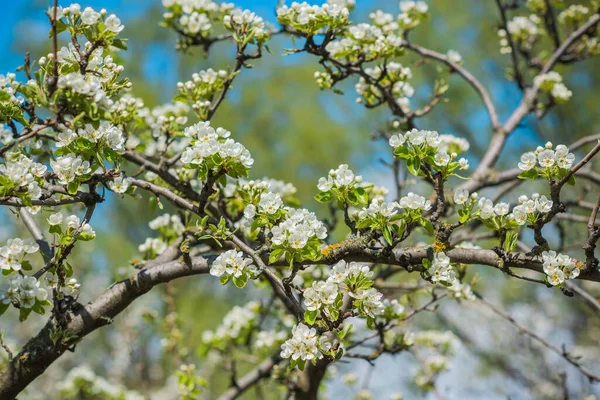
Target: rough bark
{"points": [[41, 351]]}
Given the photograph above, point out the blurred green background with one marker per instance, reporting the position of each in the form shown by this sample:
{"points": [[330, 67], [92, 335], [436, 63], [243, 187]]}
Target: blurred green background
{"points": [[297, 133]]}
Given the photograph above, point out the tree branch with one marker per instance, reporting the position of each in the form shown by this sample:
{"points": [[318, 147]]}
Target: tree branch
{"points": [[42, 350]]}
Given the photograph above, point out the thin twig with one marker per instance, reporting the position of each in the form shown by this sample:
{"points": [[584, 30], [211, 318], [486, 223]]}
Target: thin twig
{"points": [[526, 331]]}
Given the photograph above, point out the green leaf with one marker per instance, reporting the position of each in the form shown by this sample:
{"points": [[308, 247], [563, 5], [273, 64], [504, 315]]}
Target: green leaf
{"points": [[345, 332], [224, 279], [26, 199], [324, 197], [7, 272], [361, 194], [426, 263], [67, 240], [38, 308], [181, 98], [72, 187], [398, 229], [68, 269], [402, 152], [60, 27], [275, 255], [425, 223], [55, 229], [120, 44], [511, 241], [310, 316], [353, 198], [414, 165], [365, 223], [463, 215], [240, 281], [571, 181], [530, 174], [24, 313], [3, 307], [301, 364], [26, 265], [387, 234], [371, 323], [4, 96]]}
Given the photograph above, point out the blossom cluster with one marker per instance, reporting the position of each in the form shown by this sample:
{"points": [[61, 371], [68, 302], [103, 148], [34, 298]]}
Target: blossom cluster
{"points": [[529, 209], [212, 149], [440, 270], [552, 83], [201, 89], [324, 80], [298, 237], [163, 119], [70, 167], [413, 13], [247, 26], [461, 291], [365, 41], [340, 178], [324, 300], [559, 267], [321, 294], [303, 345], [390, 217], [249, 189], [104, 135], [87, 18], [233, 265], [432, 148], [125, 109], [394, 76], [344, 185], [325, 297], [438, 346], [11, 100], [356, 280], [170, 227], [120, 184], [21, 176], [574, 15], [99, 84], [524, 32], [378, 211], [547, 162], [71, 286], [311, 19], [25, 293], [444, 342], [70, 226], [194, 17], [13, 252], [247, 198], [236, 325], [496, 216], [82, 379], [268, 339], [269, 204], [152, 247]]}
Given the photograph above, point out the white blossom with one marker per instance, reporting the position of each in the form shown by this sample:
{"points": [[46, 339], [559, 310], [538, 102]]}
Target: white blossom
{"points": [[302, 345], [415, 202], [120, 184], [231, 262]]}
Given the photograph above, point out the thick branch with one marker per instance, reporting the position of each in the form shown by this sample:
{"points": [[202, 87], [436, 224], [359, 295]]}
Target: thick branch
{"points": [[40, 351]]}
